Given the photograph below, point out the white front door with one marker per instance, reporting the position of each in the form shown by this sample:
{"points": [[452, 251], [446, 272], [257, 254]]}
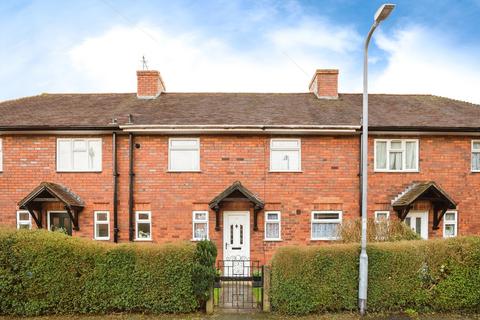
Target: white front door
{"points": [[418, 221], [236, 238]]}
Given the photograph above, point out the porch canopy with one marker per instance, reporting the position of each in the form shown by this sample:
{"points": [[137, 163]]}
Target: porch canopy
{"points": [[52, 192], [236, 192], [428, 191]]}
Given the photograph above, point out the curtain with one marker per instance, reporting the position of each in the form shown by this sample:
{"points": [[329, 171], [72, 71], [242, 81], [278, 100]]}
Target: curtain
{"points": [[476, 161], [272, 230], [411, 155], [325, 230], [381, 155], [395, 161]]}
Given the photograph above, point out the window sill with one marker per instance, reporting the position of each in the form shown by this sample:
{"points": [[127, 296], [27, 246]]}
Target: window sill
{"points": [[396, 171], [296, 171], [101, 239], [143, 240], [74, 171], [272, 240], [197, 240], [184, 171]]}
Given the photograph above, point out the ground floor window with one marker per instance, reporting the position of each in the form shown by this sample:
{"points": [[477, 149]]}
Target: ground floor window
{"points": [[200, 225], [325, 225], [272, 225], [450, 224], [102, 225], [24, 221], [143, 221], [382, 216]]}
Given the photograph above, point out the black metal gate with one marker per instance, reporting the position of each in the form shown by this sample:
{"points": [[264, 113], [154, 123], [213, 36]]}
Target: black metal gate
{"points": [[239, 285]]}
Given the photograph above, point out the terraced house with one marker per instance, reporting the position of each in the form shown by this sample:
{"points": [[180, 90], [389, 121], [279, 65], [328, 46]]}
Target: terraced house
{"points": [[250, 171]]}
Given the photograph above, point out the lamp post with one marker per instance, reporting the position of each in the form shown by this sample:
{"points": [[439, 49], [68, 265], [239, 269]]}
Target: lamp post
{"points": [[382, 13]]}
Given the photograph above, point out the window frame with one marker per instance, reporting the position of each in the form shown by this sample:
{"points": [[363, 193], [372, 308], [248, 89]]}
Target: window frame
{"points": [[278, 221], [299, 149], [336, 221], [195, 221], [381, 211], [97, 222], [455, 223], [1, 154], [149, 220], [472, 151], [72, 169], [404, 153], [170, 153], [23, 223]]}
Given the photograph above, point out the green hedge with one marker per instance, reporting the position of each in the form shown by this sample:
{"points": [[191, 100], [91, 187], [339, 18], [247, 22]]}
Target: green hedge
{"points": [[47, 272], [435, 275]]}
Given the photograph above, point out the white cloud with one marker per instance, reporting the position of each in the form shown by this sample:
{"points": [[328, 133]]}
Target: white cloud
{"points": [[422, 61], [192, 62]]}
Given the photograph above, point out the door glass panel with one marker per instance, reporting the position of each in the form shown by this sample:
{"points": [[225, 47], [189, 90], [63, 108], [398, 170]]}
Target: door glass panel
{"points": [[418, 225], [241, 234], [231, 234]]}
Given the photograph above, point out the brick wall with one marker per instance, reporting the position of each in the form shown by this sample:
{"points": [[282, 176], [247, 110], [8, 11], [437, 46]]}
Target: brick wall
{"points": [[328, 181]]}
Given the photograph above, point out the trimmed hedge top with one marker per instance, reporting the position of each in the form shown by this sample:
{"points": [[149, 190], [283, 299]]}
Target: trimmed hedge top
{"points": [[45, 272], [433, 275]]}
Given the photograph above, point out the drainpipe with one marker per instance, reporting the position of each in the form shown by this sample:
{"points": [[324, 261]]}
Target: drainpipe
{"points": [[115, 188], [360, 178], [130, 188]]}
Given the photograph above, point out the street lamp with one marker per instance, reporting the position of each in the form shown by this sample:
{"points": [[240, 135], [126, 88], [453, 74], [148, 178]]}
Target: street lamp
{"points": [[382, 13]]}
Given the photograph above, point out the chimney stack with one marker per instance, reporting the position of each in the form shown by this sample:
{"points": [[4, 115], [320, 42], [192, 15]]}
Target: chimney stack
{"points": [[149, 84], [325, 84]]}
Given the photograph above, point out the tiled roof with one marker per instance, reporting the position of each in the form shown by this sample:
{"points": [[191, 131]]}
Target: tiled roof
{"points": [[58, 191], [415, 192], [387, 111]]}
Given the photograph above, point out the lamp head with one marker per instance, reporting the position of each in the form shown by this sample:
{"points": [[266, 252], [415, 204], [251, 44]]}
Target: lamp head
{"points": [[383, 12]]}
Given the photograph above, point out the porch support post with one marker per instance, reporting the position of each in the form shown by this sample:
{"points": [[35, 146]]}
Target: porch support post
{"points": [[73, 214], [217, 218], [403, 212], [255, 217], [438, 214], [37, 219]]}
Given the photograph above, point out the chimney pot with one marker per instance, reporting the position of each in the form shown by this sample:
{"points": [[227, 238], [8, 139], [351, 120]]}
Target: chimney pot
{"points": [[324, 84], [149, 84]]}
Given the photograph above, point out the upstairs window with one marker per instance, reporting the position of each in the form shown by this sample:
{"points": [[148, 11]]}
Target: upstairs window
{"points": [[325, 225], [1, 155], [143, 225], [102, 225], [450, 224], [200, 225], [476, 155], [24, 221], [272, 225], [285, 155], [184, 154], [79, 155], [396, 155]]}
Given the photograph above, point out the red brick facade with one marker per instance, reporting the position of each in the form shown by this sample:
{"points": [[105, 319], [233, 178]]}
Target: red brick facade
{"points": [[329, 180]]}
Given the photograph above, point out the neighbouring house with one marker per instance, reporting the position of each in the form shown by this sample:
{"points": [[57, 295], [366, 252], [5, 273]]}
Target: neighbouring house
{"points": [[250, 171]]}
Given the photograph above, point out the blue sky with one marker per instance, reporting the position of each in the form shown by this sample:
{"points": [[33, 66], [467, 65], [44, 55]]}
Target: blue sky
{"points": [[249, 46]]}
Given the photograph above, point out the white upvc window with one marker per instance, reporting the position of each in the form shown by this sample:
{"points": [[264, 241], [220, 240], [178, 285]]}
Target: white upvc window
{"points": [[325, 225], [396, 155], [285, 155], [143, 225], [102, 225], [184, 154], [79, 155], [382, 216], [273, 225], [450, 222], [24, 220], [200, 225], [1, 155], [475, 155]]}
